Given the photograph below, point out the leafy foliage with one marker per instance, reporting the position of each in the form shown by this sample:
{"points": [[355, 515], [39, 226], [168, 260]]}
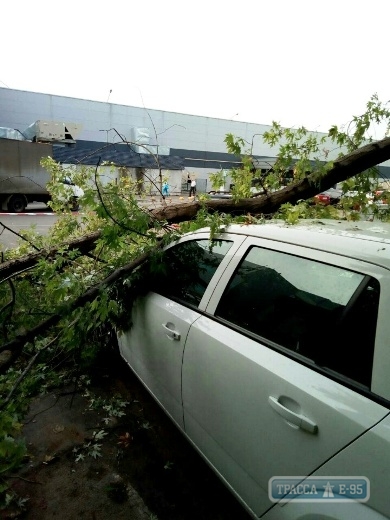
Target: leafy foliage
{"points": [[301, 153]]}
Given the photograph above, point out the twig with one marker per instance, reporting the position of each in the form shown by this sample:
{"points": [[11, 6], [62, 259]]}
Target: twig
{"points": [[42, 411], [17, 273], [25, 479], [107, 210], [25, 372]]}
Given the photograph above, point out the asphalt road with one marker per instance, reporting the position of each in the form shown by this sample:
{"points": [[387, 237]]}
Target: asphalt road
{"points": [[37, 214]]}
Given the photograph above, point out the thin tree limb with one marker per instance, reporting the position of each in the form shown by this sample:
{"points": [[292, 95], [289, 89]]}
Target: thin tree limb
{"points": [[15, 346]]}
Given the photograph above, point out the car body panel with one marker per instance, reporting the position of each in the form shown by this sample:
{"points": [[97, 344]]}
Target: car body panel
{"points": [[371, 452], [154, 355], [323, 511], [228, 380], [154, 346], [322, 198], [332, 236]]}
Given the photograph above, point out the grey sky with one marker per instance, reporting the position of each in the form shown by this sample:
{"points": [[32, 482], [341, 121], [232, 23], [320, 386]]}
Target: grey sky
{"points": [[299, 62]]}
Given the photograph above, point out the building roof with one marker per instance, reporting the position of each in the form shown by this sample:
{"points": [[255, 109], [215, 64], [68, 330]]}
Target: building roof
{"points": [[118, 154]]}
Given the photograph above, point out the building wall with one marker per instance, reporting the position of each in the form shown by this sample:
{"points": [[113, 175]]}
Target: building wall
{"points": [[194, 137], [19, 109]]}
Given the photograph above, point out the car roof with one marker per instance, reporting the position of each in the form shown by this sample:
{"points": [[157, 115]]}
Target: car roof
{"points": [[362, 240]]}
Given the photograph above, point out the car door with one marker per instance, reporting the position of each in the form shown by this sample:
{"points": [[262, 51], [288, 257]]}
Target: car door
{"points": [[267, 388], [179, 284]]}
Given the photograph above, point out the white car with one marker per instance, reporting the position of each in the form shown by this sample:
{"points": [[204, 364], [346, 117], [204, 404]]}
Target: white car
{"points": [[71, 193], [269, 347]]}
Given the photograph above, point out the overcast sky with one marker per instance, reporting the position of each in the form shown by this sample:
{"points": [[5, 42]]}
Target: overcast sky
{"points": [[299, 62]]}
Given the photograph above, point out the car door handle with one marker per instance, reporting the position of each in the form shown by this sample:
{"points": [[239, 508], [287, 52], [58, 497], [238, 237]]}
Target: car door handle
{"points": [[299, 420], [170, 332]]}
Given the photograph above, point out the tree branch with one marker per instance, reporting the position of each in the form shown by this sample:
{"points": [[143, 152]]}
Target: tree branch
{"points": [[19, 235], [14, 348], [84, 244]]}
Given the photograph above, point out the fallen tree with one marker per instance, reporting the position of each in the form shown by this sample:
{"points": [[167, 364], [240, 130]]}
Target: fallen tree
{"points": [[355, 162], [347, 166]]}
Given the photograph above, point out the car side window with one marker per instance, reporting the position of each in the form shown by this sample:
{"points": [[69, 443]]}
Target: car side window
{"points": [[323, 312], [187, 269]]}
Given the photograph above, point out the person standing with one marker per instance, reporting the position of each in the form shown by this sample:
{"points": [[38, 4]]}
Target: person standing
{"points": [[193, 188], [165, 189]]}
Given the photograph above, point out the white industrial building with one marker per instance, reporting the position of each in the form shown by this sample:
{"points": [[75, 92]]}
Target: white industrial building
{"points": [[183, 144]]}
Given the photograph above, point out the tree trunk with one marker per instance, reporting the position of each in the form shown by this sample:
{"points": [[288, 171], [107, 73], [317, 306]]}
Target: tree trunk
{"points": [[356, 162]]}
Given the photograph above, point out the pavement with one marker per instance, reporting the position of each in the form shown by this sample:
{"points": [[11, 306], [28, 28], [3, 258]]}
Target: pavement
{"points": [[39, 208], [144, 469], [53, 484]]}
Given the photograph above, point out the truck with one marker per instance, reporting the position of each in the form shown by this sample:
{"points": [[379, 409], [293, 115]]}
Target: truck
{"points": [[23, 179]]}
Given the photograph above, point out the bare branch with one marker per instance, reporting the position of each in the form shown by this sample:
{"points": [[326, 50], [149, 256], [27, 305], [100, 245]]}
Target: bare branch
{"points": [[108, 211]]}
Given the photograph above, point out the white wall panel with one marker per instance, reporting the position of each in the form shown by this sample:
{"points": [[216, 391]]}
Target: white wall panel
{"points": [[19, 109]]}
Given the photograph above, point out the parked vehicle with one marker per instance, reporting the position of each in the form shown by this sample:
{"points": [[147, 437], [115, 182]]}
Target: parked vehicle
{"points": [[322, 198], [72, 194], [220, 194], [378, 197], [269, 349], [334, 194], [331, 196], [381, 199], [23, 179]]}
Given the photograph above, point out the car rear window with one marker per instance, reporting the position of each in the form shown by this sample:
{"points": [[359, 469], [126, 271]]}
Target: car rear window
{"points": [[323, 312]]}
